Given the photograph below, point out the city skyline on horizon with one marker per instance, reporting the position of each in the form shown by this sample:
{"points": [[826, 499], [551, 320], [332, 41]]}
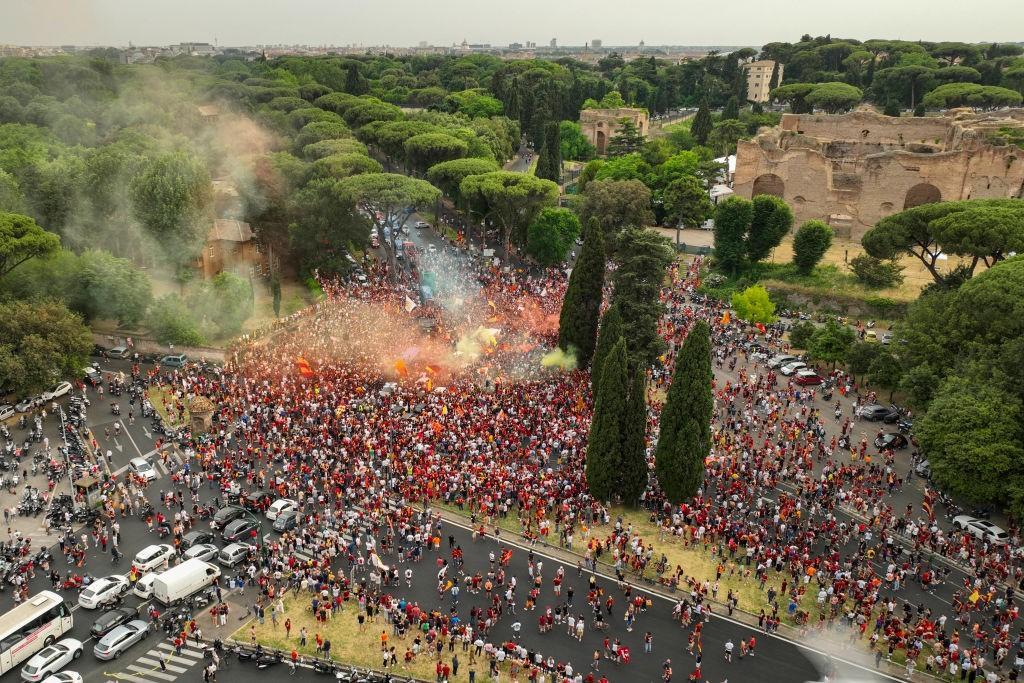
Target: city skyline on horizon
{"points": [[574, 23]]}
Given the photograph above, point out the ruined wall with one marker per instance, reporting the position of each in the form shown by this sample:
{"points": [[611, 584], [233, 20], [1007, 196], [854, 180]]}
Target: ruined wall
{"points": [[851, 183], [601, 125]]}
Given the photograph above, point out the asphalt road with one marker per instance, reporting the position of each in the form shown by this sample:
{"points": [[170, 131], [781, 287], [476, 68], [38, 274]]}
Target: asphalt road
{"points": [[778, 659]]}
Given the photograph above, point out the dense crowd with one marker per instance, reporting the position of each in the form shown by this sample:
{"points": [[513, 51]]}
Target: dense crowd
{"points": [[376, 403]]}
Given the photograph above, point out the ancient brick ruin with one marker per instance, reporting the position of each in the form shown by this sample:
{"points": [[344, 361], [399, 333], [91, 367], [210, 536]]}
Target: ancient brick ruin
{"points": [[851, 170]]}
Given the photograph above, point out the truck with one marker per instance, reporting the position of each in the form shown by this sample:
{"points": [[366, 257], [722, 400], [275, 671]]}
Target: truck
{"points": [[183, 581]]}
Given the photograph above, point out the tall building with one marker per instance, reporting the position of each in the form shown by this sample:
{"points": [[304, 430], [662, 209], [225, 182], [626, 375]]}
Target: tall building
{"points": [[554, 42], [759, 79], [595, 43]]}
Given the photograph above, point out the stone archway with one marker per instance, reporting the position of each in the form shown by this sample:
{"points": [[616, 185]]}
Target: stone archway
{"points": [[601, 141], [769, 183], [922, 193]]}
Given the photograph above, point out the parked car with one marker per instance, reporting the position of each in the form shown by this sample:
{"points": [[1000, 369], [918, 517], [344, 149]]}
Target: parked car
{"points": [[197, 537], [177, 360], [102, 591], [777, 362], [6, 411], [64, 677], [877, 412], [286, 521], [51, 659], [144, 586], [239, 530], [279, 506], [27, 404], [886, 338], [154, 556], [56, 392], [420, 225], [111, 619], [871, 336], [114, 644], [923, 469], [806, 377], [790, 369], [981, 529], [119, 352], [226, 515], [232, 554], [207, 552], [894, 441], [142, 468]]}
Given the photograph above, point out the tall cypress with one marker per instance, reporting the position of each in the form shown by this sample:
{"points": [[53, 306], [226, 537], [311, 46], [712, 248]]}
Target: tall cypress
{"points": [[684, 440], [604, 454], [702, 124], [633, 471], [612, 329], [549, 165], [581, 307]]}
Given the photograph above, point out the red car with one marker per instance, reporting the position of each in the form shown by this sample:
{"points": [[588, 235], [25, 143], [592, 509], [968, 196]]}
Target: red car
{"points": [[806, 377]]}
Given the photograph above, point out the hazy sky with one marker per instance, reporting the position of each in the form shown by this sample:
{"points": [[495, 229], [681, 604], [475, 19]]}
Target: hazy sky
{"points": [[443, 22]]}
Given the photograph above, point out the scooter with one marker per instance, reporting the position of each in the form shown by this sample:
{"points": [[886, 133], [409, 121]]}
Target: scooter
{"points": [[268, 660]]}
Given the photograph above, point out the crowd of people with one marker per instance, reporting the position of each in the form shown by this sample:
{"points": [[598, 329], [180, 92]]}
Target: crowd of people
{"points": [[375, 404]]}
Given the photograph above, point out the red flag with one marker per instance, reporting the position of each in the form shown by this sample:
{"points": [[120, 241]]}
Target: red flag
{"points": [[760, 328]]}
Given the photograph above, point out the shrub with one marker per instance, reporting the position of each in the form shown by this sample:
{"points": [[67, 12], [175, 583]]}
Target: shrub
{"points": [[876, 272], [801, 334]]}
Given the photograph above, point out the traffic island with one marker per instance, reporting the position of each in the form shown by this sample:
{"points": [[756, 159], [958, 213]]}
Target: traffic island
{"points": [[351, 644]]}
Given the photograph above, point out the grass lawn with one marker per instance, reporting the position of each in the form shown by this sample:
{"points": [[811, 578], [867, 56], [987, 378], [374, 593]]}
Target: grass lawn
{"points": [[349, 645], [158, 396]]}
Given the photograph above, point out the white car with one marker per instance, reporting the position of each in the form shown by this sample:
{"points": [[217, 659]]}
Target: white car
{"points": [[207, 552], [51, 659], [153, 556], [420, 225], [142, 468], [64, 677], [777, 362], [6, 411], [56, 392], [791, 368], [102, 591], [144, 586], [27, 404], [281, 505], [981, 529]]}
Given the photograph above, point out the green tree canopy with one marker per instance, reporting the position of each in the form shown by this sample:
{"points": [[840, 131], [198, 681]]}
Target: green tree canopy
{"points": [[642, 257], [684, 439], [834, 97], [172, 197], [604, 443], [972, 435], [22, 239], [388, 199], [427, 149], [171, 322], [971, 95], [831, 342], [771, 219], [616, 204], [575, 145], [732, 219], [811, 242], [512, 200], [754, 305], [41, 342], [581, 307], [448, 175], [551, 235]]}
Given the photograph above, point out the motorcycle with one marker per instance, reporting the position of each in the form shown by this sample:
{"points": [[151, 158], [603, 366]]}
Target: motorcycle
{"points": [[115, 409], [322, 666], [268, 660]]}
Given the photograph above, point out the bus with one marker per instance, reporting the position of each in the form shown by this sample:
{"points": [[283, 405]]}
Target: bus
{"points": [[32, 625]]}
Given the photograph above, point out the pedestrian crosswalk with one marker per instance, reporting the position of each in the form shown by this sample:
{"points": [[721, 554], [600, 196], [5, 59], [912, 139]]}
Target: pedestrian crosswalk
{"points": [[147, 669], [174, 461]]}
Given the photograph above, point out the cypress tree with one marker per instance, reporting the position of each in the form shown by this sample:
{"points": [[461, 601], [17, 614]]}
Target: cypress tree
{"points": [[581, 308], [634, 473], [731, 109], [702, 124], [549, 165], [604, 454], [684, 440], [612, 329]]}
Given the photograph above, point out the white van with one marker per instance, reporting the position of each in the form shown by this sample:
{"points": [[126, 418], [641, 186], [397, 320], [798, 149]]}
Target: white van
{"points": [[188, 578]]}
